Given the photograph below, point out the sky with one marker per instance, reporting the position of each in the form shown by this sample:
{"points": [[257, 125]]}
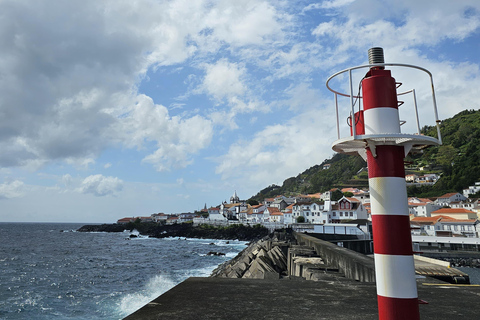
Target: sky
{"points": [[112, 109]]}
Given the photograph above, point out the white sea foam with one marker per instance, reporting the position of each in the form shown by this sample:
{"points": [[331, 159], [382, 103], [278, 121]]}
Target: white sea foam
{"points": [[156, 286], [231, 254]]}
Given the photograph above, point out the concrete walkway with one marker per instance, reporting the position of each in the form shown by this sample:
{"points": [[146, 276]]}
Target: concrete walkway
{"points": [[332, 298]]}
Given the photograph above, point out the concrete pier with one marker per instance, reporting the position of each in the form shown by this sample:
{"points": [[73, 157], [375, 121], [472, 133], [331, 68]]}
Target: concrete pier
{"points": [[226, 298], [312, 279]]}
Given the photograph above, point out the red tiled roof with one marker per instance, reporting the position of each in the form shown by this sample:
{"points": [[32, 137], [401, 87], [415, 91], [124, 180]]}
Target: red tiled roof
{"points": [[273, 209], [448, 219], [426, 219], [452, 210], [448, 195]]}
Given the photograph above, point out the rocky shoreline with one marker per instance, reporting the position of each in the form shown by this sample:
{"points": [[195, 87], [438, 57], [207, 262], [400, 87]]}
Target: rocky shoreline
{"points": [[184, 230], [469, 259]]}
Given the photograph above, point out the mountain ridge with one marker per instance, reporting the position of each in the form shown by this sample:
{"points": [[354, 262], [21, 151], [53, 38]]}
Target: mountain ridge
{"points": [[457, 161]]}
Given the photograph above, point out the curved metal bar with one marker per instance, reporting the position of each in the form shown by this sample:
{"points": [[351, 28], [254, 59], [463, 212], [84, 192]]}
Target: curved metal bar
{"points": [[351, 96], [375, 65]]}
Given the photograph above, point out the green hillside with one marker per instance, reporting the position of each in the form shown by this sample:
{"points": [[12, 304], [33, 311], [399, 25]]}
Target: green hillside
{"points": [[457, 161]]}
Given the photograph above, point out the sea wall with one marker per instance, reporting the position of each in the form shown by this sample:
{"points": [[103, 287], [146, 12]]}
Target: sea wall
{"points": [[263, 259], [300, 257], [354, 265]]}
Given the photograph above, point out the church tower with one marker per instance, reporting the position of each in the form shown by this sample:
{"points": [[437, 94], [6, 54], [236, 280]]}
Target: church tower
{"points": [[234, 198]]}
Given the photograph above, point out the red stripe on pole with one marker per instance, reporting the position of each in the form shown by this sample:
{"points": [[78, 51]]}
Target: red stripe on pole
{"points": [[391, 234], [397, 308], [387, 163], [379, 90]]}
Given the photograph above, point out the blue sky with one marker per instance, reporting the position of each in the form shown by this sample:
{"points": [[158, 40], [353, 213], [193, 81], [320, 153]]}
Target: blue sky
{"points": [[127, 108]]}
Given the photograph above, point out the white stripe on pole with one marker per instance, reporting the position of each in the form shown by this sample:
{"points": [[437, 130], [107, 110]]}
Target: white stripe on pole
{"points": [[388, 195], [395, 276], [381, 120]]}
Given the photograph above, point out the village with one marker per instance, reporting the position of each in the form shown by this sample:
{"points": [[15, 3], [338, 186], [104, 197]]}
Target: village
{"points": [[337, 211]]}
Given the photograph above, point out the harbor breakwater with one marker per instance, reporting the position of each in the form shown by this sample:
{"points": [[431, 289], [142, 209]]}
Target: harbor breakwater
{"points": [[257, 281], [297, 256]]}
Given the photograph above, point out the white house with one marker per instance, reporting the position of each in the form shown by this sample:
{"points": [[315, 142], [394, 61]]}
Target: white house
{"points": [[255, 213], [422, 207], [288, 215], [276, 217], [268, 212], [425, 226], [347, 209], [460, 227], [312, 212], [471, 189], [447, 198], [214, 214], [410, 178], [159, 217]]}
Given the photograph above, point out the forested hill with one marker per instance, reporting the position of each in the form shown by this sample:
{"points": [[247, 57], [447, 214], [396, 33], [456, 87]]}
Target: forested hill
{"points": [[457, 161]]}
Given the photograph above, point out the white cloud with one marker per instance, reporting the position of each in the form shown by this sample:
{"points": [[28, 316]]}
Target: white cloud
{"points": [[367, 23], [100, 185], [279, 151], [245, 22], [81, 63], [224, 80], [12, 189], [175, 139]]}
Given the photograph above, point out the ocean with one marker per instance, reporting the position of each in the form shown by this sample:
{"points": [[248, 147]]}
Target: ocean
{"points": [[49, 271]]}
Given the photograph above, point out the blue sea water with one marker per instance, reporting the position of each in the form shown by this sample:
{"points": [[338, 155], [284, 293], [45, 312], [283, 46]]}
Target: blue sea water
{"points": [[49, 271]]}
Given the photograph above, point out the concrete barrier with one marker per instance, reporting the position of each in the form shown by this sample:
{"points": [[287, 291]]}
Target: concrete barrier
{"points": [[261, 260], [432, 261], [354, 265]]}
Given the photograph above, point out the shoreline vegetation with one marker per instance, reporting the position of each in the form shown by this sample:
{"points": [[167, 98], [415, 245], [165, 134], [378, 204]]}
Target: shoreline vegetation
{"points": [[184, 230]]}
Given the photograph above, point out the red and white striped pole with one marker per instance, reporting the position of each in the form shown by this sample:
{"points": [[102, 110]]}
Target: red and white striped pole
{"points": [[394, 265]]}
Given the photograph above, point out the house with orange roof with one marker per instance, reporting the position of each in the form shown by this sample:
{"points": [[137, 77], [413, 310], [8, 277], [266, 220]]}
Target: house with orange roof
{"points": [[159, 217], [288, 215], [276, 217], [445, 226], [214, 214], [258, 208], [460, 227], [421, 207], [425, 225], [447, 198], [126, 220], [469, 204], [268, 201], [455, 213], [350, 189], [255, 215], [172, 220]]}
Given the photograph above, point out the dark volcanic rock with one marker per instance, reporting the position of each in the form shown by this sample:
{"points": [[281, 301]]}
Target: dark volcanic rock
{"points": [[102, 228], [184, 230]]}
